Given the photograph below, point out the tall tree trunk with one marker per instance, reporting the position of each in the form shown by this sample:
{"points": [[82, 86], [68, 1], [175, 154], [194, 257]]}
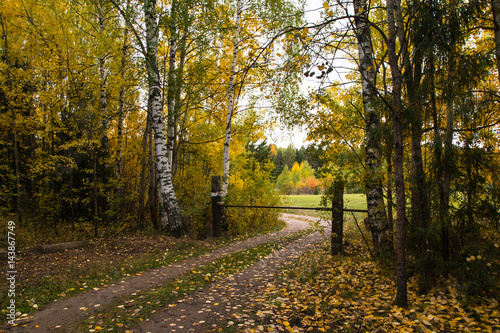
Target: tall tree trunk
{"points": [[104, 93], [57, 214], [448, 158], [377, 218], [448, 161], [142, 186], [96, 209], [33, 144], [119, 134], [104, 110], [72, 198], [171, 116], [390, 202], [419, 203], [169, 201], [14, 124], [153, 188], [177, 102], [121, 103], [401, 283], [495, 6], [16, 168], [442, 211], [230, 103]]}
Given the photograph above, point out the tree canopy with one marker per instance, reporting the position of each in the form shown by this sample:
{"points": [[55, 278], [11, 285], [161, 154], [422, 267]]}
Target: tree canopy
{"points": [[115, 114]]}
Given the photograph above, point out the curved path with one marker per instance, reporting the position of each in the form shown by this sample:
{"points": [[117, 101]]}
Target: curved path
{"points": [[59, 316], [202, 310]]}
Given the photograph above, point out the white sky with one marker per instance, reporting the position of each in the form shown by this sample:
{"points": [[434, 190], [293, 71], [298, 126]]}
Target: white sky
{"points": [[297, 136]]}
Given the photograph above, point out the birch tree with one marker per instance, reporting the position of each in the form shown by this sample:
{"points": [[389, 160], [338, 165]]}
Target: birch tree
{"points": [[164, 174], [230, 103], [377, 218]]}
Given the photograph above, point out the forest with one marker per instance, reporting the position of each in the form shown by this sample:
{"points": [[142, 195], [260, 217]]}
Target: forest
{"points": [[114, 116]]}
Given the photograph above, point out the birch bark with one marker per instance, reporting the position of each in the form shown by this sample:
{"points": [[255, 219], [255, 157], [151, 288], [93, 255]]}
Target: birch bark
{"points": [[377, 218], [169, 201], [230, 103]]}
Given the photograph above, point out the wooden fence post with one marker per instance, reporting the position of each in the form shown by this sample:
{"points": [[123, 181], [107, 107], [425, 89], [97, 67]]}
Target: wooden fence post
{"points": [[216, 209], [337, 219]]}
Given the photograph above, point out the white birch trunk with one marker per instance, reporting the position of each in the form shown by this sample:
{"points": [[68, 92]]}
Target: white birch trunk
{"points": [[377, 218], [230, 103], [168, 197]]}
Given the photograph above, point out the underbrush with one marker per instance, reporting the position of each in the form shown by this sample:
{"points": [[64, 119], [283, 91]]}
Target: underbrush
{"points": [[36, 232]]}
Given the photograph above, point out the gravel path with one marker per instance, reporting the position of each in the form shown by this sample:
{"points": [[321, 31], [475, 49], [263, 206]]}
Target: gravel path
{"points": [[201, 310], [59, 316]]}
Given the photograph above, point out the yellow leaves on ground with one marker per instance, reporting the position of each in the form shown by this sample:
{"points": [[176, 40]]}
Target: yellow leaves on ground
{"points": [[344, 294]]}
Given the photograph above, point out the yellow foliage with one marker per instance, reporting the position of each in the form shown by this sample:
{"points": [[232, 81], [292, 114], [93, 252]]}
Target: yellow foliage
{"points": [[251, 186], [354, 294]]}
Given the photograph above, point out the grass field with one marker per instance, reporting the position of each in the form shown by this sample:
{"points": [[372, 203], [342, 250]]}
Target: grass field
{"points": [[352, 229], [351, 201]]}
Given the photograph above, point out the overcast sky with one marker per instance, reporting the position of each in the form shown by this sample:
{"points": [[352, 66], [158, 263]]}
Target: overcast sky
{"points": [[297, 136]]}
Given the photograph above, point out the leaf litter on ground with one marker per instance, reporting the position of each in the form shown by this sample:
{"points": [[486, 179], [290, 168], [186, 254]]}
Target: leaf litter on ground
{"points": [[354, 293]]}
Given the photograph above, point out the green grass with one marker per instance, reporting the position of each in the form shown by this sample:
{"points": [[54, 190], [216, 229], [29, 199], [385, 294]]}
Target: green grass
{"points": [[351, 201], [355, 201]]}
